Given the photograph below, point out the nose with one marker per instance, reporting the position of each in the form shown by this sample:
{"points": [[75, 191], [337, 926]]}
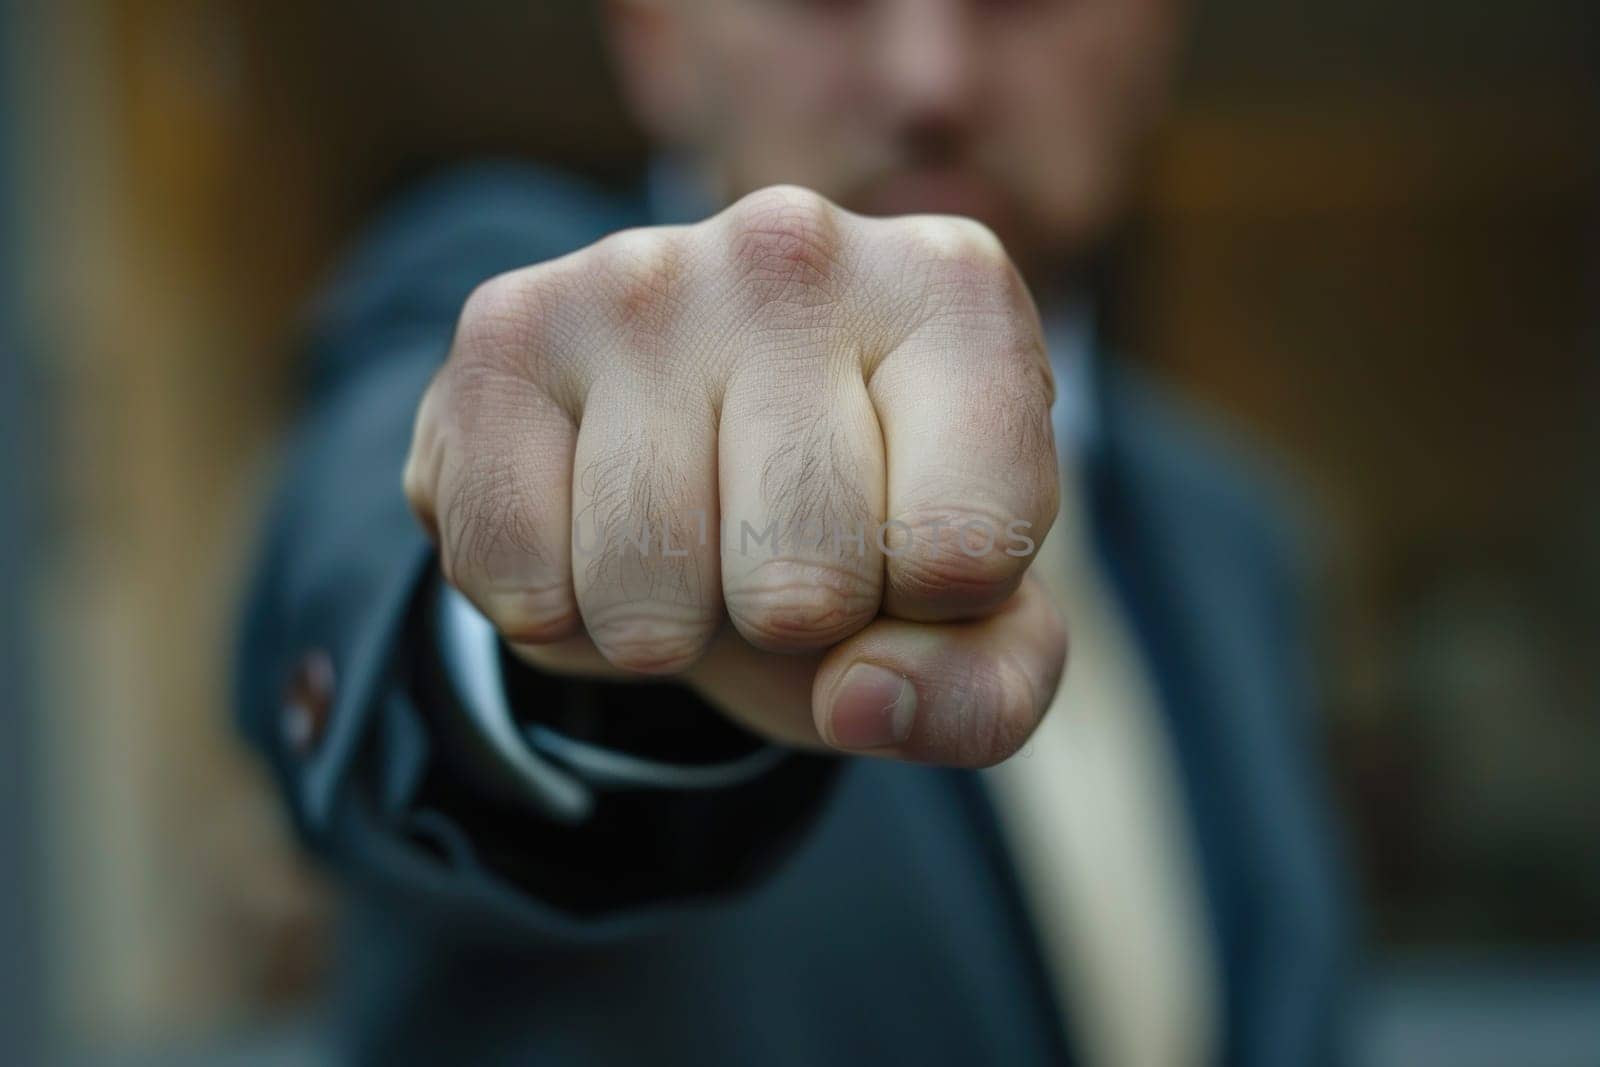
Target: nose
{"points": [[928, 61]]}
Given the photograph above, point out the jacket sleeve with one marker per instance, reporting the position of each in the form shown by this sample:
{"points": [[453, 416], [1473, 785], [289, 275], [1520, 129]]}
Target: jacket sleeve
{"points": [[379, 775]]}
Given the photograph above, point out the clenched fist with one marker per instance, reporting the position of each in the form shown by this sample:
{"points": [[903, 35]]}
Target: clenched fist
{"points": [[829, 431]]}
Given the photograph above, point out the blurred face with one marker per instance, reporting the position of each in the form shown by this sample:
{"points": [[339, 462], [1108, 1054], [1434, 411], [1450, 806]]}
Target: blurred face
{"points": [[1024, 114]]}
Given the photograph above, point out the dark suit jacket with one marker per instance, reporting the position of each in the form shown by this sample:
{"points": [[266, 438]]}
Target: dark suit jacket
{"points": [[836, 912]]}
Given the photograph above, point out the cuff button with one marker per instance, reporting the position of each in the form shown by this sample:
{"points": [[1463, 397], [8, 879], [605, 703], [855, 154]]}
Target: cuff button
{"points": [[307, 703]]}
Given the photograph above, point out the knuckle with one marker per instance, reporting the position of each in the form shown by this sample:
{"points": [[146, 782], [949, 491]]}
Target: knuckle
{"points": [[966, 274], [499, 317], [788, 605], [959, 242], [496, 394], [643, 269], [784, 235], [524, 326], [649, 638]]}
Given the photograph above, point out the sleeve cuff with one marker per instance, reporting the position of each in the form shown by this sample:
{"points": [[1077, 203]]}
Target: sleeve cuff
{"points": [[469, 651], [562, 770]]}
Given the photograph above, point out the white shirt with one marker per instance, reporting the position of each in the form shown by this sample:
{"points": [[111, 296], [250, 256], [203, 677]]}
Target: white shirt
{"points": [[1092, 806]]}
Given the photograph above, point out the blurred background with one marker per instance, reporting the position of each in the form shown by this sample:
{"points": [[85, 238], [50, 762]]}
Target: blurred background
{"points": [[1369, 236]]}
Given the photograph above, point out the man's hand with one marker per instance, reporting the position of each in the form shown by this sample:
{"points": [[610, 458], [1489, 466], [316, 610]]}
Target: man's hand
{"points": [[831, 431]]}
